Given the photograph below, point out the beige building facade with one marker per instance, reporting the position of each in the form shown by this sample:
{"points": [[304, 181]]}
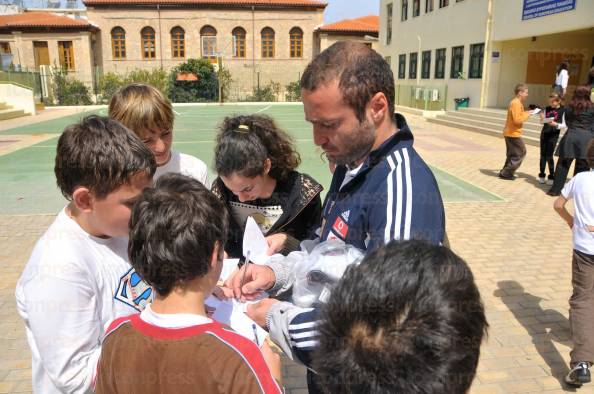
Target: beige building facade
{"points": [[259, 44], [482, 48]]}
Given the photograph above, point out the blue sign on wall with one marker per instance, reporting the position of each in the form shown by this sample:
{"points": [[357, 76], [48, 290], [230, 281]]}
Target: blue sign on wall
{"points": [[538, 8]]}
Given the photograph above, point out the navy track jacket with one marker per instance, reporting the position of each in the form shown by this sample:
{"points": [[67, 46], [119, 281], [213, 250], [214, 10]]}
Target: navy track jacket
{"points": [[393, 196]]}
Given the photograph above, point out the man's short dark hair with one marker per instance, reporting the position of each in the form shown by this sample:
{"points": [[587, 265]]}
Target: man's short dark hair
{"points": [[361, 73], [174, 228], [408, 319], [100, 154]]}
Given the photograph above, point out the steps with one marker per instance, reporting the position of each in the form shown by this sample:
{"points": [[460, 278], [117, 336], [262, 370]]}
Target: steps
{"points": [[488, 121], [8, 112]]}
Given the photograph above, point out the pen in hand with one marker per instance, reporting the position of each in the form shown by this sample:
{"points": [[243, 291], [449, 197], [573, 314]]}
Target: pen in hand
{"points": [[255, 334], [247, 262]]}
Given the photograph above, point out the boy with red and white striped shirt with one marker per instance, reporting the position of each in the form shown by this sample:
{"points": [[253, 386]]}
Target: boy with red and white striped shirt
{"points": [[177, 236]]}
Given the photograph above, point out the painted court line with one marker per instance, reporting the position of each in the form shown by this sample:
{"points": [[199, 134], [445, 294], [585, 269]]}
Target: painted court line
{"points": [[263, 109], [25, 141], [470, 183]]}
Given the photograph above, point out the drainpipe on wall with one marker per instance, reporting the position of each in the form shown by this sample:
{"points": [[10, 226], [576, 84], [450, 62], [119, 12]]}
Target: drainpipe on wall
{"points": [[253, 48], [160, 38], [487, 56], [419, 62]]}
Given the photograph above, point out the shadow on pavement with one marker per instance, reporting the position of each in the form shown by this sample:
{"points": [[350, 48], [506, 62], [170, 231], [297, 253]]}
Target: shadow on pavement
{"points": [[551, 326]]}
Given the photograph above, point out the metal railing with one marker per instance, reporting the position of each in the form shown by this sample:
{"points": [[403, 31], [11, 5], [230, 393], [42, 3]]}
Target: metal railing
{"points": [[428, 98], [29, 79]]}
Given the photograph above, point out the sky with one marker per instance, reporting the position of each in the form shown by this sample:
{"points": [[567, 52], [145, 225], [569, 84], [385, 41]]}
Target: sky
{"points": [[336, 10], [348, 9]]}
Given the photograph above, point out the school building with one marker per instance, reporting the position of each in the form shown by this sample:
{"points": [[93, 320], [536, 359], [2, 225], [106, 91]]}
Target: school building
{"points": [[445, 49]]}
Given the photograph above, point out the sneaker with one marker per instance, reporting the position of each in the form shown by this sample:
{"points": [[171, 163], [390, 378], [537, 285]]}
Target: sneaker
{"points": [[550, 182], [579, 375], [541, 180]]}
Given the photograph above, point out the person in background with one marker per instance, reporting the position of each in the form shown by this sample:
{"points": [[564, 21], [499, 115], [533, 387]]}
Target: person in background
{"points": [[149, 114], [580, 189], [515, 149], [561, 79], [552, 117], [256, 162], [579, 118]]}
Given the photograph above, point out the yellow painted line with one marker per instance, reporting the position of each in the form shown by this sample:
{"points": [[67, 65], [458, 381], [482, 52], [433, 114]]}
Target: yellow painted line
{"points": [[24, 141]]}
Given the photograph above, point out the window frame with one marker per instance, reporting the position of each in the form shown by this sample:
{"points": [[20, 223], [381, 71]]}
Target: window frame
{"points": [[440, 63], [389, 21], [66, 55], [444, 3], [148, 51], [476, 58], [429, 6], [208, 43], [404, 10], [457, 60], [118, 44], [239, 35], [416, 8], [268, 43], [296, 43], [402, 66], [412, 71], [178, 42], [426, 65]]}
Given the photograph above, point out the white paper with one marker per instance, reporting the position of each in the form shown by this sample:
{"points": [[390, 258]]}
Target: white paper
{"points": [[229, 266], [254, 242], [232, 313], [548, 120], [535, 111]]}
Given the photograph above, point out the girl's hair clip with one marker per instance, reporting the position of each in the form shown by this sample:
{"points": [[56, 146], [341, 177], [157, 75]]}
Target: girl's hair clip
{"points": [[244, 129]]}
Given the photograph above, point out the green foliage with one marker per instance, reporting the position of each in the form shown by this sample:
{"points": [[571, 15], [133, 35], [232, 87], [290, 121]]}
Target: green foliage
{"points": [[67, 90], [293, 91], [224, 78], [266, 93], [205, 89], [109, 83]]}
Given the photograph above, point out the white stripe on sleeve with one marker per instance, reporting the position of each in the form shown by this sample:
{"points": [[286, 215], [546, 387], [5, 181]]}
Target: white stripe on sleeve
{"points": [[398, 222], [390, 203], [408, 213]]}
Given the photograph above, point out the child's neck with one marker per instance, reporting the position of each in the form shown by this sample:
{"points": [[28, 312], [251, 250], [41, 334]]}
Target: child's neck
{"points": [[189, 299], [82, 221]]}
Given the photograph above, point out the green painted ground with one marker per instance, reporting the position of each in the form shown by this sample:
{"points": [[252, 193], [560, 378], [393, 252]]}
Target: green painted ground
{"points": [[28, 185]]}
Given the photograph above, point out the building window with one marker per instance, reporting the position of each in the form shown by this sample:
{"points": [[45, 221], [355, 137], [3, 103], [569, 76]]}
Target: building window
{"points": [[208, 39], [178, 42], [5, 48], [238, 42], [66, 54], [428, 5], [457, 62], [118, 43], [440, 62], [475, 68], [412, 65], [426, 65], [444, 3], [388, 24], [404, 13], [401, 66], [148, 43], [296, 40], [267, 35], [416, 8]]}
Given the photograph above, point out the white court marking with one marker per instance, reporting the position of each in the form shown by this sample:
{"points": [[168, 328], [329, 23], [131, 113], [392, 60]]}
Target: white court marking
{"points": [[263, 109]]}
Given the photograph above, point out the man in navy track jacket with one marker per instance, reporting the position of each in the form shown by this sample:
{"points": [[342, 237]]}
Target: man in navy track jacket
{"points": [[381, 189]]}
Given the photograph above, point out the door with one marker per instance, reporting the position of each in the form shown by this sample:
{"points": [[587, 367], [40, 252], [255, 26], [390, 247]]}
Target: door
{"points": [[41, 53]]}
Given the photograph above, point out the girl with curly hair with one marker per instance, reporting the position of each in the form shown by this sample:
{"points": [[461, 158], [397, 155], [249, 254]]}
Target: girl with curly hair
{"points": [[256, 164]]}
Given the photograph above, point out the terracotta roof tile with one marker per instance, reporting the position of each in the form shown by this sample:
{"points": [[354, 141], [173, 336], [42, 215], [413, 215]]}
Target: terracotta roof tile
{"points": [[215, 3], [45, 20], [366, 24]]}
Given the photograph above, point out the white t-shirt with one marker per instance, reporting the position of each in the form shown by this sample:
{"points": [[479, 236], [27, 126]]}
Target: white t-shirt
{"points": [[173, 320], [73, 286], [562, 79], [186, 165], [581, 189]]}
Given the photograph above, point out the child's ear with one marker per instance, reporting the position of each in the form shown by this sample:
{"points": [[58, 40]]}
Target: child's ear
{"points": [[83, 199]]}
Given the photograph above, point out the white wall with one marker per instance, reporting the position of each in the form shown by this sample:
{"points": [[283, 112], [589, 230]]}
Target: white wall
{"points": [[17, 97]]}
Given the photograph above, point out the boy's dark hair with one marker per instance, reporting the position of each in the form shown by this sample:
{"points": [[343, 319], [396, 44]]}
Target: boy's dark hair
{"points": [[245, 142], [408, 319], [360, 71], [100, 154], [174, 228]]}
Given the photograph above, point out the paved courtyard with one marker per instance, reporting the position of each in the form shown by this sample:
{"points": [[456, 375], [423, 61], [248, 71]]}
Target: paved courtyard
{"points": [[517, 247]]}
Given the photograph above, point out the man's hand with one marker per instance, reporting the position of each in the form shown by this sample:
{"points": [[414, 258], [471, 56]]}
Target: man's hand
{"points": [[276, 243], [258, 278], [257, 312]]}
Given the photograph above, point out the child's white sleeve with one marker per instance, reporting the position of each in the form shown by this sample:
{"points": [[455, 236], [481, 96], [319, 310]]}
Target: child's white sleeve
{"points": [[562, 125], [567, 191], [61, 311]]}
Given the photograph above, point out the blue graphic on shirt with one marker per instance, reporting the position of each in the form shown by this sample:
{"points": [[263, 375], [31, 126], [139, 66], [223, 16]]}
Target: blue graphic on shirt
{"points": [[133, 291]]}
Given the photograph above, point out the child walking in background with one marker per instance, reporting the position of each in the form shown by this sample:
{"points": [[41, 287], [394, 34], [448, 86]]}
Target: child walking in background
{"points": [[515, 149], [149, 114], [552, 117], [581, 304]]}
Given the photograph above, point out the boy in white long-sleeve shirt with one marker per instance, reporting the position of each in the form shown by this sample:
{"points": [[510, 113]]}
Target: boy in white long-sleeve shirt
{"points": [[78, 278]]}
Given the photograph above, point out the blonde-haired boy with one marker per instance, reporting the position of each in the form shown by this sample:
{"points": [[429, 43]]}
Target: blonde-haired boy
{"points": [[149, 114]]}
